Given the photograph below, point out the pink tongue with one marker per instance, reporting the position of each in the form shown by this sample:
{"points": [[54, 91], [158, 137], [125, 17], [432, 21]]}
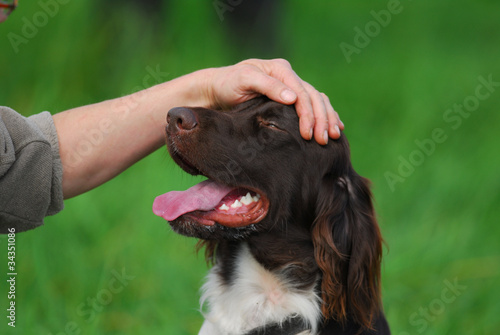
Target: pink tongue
{"points": [[203, 196]]}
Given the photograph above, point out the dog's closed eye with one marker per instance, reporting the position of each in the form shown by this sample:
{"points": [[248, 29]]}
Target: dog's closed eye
{"points": [[271, 124]]}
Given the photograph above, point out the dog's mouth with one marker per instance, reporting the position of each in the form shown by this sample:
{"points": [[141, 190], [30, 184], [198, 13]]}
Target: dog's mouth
{"points": [[211, 202]]}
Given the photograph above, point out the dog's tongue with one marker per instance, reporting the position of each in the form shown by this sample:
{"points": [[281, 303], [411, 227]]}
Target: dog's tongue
{"points": [[203, 196]]}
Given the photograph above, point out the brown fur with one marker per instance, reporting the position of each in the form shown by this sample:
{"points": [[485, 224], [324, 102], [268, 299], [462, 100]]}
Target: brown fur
{"points": [[321, 221]]}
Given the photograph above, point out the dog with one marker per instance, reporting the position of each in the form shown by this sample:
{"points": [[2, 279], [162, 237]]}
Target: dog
{"points": [[288, 224]]}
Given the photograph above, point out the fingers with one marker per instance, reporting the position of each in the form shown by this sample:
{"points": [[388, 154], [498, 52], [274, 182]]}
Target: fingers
{"points": [[277, 80], [319, 109], [307, 119], [335, 125], [283, 84], [283, 73], [253, 79], [317, 117]]}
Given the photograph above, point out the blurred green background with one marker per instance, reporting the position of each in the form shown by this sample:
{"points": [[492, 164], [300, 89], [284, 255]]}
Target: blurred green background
{"points": [[107, 265]]}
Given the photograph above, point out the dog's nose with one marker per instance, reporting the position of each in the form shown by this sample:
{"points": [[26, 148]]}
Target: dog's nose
{"points": [[181, 119]]}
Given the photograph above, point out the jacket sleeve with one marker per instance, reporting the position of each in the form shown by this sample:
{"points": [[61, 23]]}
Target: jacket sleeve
{"points": [[30, 170]]}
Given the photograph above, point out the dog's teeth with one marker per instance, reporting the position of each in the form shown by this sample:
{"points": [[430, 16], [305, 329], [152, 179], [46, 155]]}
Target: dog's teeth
{"points": [[247, 199], [236, 204], [244, 200]]}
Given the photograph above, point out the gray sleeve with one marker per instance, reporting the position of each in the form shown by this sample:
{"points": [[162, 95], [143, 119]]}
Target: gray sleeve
{"points": [[30, 170]]}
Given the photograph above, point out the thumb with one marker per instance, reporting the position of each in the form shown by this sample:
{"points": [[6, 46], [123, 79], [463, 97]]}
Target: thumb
{"points": [[287, 96], [279, 92], [273, 88]]}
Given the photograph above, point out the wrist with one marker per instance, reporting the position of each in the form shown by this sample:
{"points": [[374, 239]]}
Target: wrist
{"points": [[194, 89], [200, 92]]}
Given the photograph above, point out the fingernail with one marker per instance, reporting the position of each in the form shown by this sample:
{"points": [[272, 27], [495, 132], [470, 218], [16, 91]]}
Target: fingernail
{"points": [[342, 123], [337, 129], [288, 95], [325, 136]]}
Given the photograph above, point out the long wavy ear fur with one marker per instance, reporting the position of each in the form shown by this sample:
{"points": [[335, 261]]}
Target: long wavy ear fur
{"points": [[348, 248]]}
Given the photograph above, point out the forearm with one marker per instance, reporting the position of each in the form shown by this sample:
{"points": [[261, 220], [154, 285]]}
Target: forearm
{"points": [[99, 141]]}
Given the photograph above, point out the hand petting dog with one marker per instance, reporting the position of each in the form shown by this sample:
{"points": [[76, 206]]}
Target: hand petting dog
{"points": [[276, 80], [131, 127]]}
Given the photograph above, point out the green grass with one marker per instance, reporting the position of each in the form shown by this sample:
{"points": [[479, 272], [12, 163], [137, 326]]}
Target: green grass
{"points": [[440, 224]]}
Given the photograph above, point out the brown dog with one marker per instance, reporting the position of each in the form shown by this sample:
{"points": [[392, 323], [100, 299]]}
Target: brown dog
{"points": [[288, 223]]}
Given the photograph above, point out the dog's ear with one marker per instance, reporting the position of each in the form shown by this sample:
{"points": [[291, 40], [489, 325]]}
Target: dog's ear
{"points": [[348, 248]]}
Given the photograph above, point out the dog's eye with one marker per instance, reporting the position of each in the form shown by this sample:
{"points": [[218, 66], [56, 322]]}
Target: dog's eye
{"points": [[269, 124]]}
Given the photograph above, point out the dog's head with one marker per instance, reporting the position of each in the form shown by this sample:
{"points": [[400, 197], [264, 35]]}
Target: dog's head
{"points": [[263, 178]]}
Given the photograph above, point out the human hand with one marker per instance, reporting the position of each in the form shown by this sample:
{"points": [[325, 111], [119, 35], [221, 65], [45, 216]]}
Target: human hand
{"points": [[228, 86]]}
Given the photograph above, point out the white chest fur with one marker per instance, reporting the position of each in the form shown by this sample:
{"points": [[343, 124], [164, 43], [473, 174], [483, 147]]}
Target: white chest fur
{"points": [[255, 297]]}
